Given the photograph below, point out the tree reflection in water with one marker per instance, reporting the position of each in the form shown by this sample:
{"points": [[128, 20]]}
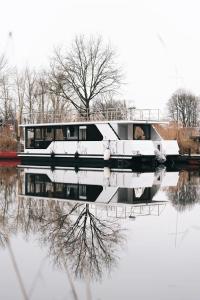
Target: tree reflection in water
{"points": [[77, 239], [186, 193], [82, 240], [8, 177]]}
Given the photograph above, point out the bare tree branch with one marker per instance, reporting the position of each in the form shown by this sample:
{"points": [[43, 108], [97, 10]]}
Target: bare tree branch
{"points": [[183, 107], [86, 71]]}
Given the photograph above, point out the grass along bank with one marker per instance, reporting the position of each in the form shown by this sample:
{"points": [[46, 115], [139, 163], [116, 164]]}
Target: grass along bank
{"points": [[184, 137]]}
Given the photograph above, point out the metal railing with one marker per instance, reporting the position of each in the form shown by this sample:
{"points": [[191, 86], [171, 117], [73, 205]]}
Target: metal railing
{"points": [[103, 115]]}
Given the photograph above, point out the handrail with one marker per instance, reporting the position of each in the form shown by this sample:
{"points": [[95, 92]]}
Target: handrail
{"points": [[103, 115]]}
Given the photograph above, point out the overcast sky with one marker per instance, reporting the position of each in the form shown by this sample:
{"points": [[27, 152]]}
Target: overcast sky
{"points": [[157, 41]]}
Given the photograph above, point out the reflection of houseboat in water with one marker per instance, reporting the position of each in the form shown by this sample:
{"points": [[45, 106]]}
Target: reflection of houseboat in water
{"points": [[123, 144], [99, 186]]}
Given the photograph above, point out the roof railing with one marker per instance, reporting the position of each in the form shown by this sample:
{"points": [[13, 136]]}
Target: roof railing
{"points": [[129, 114]]}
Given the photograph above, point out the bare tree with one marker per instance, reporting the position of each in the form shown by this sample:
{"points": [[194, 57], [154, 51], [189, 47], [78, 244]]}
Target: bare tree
{"points": [[47, 103], [3, 64], [25, 93], [20, 89], [58, 106], [7, 105], [41, 95], [84, 73], [6, 99], [30, 93], [183, 107], [107, 106], [19, 94]]}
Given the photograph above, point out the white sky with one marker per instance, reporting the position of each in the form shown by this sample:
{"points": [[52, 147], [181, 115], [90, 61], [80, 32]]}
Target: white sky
{"points": [[157, 41]]}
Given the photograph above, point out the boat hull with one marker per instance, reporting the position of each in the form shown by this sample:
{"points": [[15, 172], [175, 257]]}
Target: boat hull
{"points": [[137, 162]]}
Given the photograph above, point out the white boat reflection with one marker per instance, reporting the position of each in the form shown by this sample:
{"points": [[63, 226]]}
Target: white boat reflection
{"points": [[120, 193]]}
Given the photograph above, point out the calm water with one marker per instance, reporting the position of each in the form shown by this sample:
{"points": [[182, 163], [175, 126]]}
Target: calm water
{"points": [[129, 236]]}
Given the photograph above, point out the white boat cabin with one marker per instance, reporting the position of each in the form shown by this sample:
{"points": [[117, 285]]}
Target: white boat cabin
{"points": [[114, 139]]}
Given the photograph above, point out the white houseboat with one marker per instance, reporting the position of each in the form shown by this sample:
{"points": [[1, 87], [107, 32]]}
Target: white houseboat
{"points": [[125, 143]]}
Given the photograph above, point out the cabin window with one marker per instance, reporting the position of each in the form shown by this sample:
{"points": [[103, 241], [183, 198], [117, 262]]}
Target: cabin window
{"points": [[39, 133], [141, 132], [30, 138], [59, 134], [49, 133], [44, 133], [123, 131], [72, 133], [82, 133], [40, 137]]}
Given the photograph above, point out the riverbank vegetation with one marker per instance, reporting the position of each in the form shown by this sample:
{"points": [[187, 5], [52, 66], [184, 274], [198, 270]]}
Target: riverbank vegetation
{"points": [[183, 135], [8, 141]]}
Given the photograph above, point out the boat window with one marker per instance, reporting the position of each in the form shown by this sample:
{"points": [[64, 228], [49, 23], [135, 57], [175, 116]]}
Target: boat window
{"points": [[41, 137], [49, 133], [59, 134], [82, 133], [72, 132], [30, 138], [123, 131], [39, 133], [141, 132]]}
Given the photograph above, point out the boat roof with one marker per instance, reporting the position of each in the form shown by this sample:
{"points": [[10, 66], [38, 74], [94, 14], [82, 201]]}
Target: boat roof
{"points": [[94, 122]]}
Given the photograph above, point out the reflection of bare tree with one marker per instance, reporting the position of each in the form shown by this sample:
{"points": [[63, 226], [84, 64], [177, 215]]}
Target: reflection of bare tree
{"points": [[185, 194], [76, 238], [7, 192], [82, 240], [7, 180], [3, 239]]}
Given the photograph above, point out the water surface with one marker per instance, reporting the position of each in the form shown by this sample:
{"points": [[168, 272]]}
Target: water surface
{"points": [[143, 243]]}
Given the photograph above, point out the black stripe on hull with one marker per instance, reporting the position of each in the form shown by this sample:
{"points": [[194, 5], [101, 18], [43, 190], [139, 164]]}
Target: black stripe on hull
{"points": [[136, 163]]}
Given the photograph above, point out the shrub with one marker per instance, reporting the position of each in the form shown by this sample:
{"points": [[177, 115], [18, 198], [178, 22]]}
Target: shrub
{"points": [[182, 135], [7, 140]]}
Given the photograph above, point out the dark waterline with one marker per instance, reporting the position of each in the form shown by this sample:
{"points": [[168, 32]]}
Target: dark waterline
{"points": [[57, 249]]}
